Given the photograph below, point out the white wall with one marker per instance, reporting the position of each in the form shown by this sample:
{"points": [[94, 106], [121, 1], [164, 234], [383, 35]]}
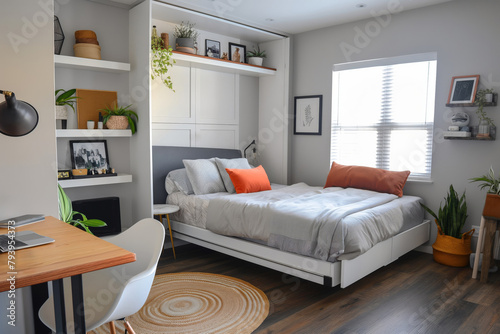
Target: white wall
{"points": [[28, 178], [465, 36]]}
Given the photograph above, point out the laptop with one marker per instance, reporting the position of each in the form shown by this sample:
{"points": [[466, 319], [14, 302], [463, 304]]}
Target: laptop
{"points": [[23, 239]]}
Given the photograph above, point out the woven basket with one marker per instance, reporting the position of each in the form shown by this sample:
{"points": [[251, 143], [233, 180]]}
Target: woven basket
{"points": [[452, 251], [117, 122]]}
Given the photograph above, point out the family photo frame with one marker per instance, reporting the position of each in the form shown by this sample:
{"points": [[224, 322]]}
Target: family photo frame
{"points": [[307, 115], [463, 89], [89, 154]]}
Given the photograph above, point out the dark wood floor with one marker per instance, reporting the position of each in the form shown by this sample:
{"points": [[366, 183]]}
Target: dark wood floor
{"points": [[412, 295]]}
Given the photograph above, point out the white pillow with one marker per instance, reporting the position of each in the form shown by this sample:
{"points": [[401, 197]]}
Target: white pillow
{"points": [[204, 176], [222, 164], [177, 180]]}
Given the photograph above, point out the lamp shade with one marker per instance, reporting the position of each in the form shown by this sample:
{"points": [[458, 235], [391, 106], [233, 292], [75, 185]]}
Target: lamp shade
{"points": [[17, 118]]}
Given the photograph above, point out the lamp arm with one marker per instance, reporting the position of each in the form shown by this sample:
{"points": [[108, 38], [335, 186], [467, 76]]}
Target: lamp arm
{"points": [[246, 148]]}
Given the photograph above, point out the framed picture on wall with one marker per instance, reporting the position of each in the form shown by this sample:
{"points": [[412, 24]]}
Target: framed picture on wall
{"points": [[463, 89], [212, 48], [89, 154], [307, 115], [237, 52]]}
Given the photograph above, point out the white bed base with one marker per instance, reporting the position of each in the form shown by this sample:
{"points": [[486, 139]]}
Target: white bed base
{"points": [[343, 272]]}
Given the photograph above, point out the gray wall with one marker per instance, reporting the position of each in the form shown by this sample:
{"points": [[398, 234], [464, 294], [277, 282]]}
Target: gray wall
{"points": [[465, 36]]}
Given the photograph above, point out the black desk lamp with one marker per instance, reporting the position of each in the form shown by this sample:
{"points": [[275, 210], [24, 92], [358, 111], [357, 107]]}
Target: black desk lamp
{"points": [[246, 148], [17, 118]]}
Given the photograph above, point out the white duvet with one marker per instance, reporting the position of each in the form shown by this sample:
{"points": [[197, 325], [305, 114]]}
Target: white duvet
{"points": [[329, 224]]}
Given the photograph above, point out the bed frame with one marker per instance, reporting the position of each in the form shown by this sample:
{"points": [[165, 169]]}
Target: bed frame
{"points": [[345, 272]]}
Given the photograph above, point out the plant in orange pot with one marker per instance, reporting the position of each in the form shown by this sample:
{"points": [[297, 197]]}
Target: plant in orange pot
{"points": [[452, 247], [492, 203]]}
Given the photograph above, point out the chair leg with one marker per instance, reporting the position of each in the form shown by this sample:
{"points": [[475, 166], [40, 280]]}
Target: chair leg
{"points": [[112, 329], [128, 327]]}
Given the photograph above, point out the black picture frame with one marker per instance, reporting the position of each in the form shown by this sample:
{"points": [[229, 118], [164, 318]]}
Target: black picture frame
{"points": [[307, 115], [89, 154], [212, 48], [463, 89], [240, 49]]}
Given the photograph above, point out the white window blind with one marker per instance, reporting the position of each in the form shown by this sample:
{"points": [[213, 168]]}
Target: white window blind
{"points": [[383, 112]]}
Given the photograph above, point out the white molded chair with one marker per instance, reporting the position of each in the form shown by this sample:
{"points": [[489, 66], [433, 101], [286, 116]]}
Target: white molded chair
{"points": [[117, 292]]}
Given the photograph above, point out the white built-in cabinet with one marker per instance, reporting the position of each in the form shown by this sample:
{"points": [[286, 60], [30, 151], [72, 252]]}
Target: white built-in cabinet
{"points": [[215, 103]]}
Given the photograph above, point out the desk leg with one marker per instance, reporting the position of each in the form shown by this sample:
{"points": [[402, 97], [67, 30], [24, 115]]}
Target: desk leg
{"points": [[478, 248], [59, 309], [490, 228], [78, 307]]}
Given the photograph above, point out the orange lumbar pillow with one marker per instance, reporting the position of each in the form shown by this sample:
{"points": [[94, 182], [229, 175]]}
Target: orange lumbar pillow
{"points": [[369, 178], [249, 180]]}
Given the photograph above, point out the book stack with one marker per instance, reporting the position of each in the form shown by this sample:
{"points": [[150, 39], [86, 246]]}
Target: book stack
{"points": [[454, 131]]}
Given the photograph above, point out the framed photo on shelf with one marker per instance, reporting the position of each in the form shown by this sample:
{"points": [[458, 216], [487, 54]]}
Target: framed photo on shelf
{"points": [[89, 154], [212, 48], [237, 52], [463, 89], [307, 115]]}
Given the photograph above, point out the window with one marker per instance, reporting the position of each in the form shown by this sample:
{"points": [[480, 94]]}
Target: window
{"points": [[383, 112]]}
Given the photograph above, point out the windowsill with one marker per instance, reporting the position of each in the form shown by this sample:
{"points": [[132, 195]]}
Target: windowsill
{"points": [[419, 180]]}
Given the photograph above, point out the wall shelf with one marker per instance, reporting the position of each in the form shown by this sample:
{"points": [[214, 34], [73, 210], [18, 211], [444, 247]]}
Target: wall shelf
{"points": [[73, 183], [454, 105], [61, 61], [209, 63], [96, 133], [471, 138]]}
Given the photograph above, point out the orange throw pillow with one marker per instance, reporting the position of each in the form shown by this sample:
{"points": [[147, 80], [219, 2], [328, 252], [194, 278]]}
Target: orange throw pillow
{"points": [[249, 180], [368, 178]]}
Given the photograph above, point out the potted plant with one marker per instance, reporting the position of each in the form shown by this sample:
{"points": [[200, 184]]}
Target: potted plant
{"points": [[452, 247], [492, 203], [64, 98], [120, 118], [256, 57], [185, 36], [67, 215], [161, 59], [483, 96]]}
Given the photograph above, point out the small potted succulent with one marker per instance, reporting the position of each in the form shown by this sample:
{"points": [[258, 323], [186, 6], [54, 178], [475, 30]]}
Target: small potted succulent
{"points": [[452, 247], [492, 202], [119, 118], [64, 98], [256, 57]]}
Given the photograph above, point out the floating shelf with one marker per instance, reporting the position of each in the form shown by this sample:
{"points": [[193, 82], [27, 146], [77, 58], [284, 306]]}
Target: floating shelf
{"points": [[73, 183], [454, 105], [90, 64], [209, 63], [471, 138], [96, 133]]}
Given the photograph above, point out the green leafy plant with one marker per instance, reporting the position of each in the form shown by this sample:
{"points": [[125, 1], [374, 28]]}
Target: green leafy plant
{"points": [[480, 101], [66, 98], [67, 215], [161, 59], [452, 215], [186, 30], [116, 110], [488, 181], [257, 53]]}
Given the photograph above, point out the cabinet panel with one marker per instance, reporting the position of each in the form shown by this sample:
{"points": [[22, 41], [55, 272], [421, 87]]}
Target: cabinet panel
{"points": [[173, 134], [216, 96], [169, 106], [217, 136]]}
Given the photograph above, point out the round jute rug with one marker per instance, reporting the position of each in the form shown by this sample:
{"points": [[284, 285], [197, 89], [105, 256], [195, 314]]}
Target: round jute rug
{"points": [[198, 303]]}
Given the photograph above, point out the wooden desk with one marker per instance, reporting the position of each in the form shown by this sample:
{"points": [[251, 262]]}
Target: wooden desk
{"points": [[73, 253]]}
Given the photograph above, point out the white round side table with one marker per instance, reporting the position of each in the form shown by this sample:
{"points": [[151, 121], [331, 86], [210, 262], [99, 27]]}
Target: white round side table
{"points": [[166, 209]]}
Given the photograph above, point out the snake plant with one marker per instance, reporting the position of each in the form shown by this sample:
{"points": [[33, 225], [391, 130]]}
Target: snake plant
{"points": [[452, 215], [67, 215]]}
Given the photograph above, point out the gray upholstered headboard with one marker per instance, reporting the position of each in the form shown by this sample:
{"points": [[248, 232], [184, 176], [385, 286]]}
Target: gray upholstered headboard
{"points": [[167, 158]]}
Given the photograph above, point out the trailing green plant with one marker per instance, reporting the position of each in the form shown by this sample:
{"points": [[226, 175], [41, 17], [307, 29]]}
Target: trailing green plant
{"points": [[161, 60], [116, 110], [488, 181], [67, 215], [186, 30], [452, 215], [257, 53], [66, 98], [480, 101]]}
